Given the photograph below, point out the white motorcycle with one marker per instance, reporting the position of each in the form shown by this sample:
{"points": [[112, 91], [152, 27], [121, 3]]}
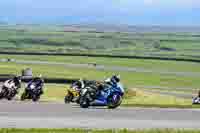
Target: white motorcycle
{"points": [[10, 88], [196, 100]]}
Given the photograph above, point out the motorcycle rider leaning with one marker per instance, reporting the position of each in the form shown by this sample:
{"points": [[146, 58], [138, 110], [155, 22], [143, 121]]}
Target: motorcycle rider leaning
{"points": [[14, 83], [39, 82], [113, 81], [99, 87], [79, 84]]}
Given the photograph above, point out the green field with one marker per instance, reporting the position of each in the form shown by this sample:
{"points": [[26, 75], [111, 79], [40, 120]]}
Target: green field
{"points": [[136, 63], [139, 98], [129, 79], [60, 39], [97, 131], [174, 76]]}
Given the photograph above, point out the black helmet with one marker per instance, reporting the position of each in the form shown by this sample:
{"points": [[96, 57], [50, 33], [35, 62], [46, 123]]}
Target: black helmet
{"points": [[77, 83], [17, 79], [115, 79]]}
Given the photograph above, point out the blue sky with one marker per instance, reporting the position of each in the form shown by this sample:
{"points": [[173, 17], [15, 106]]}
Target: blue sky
{"points": [[133, 12]]}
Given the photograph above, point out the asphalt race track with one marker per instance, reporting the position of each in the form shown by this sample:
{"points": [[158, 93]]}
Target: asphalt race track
{"points": [[16, 114]]}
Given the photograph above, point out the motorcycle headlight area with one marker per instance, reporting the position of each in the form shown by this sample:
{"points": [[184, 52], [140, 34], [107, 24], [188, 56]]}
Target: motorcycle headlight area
{"points": [[83, 91], [32, 86]]}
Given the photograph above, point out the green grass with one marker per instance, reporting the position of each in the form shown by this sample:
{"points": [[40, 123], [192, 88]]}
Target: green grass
{"points": [[54, 39], [138, 98], [55, 92], [137, 63], [129, 79], [98, 131]]}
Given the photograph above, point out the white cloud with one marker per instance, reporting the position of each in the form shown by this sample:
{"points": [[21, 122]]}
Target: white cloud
{"points": [[149, 2], [177, 3]]}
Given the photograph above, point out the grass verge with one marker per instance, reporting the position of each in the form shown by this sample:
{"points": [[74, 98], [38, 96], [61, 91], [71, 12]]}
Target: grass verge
{"points": [[129, 79], [138, 98], [133, 98], [52, 92], [176, 66]]}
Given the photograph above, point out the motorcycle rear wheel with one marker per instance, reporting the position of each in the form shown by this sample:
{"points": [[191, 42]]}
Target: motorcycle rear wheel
{"points": [[68, 98]]}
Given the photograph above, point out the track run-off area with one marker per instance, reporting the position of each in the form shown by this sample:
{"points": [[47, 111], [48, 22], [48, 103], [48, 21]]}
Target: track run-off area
{"points": [[16, 114]]}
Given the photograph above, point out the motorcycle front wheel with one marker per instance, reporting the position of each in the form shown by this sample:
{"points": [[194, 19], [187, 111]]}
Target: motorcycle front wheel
{"points": [[84, 102], [9, 98], [11, 95], [114, 101], [2, 93], [35, 98]]}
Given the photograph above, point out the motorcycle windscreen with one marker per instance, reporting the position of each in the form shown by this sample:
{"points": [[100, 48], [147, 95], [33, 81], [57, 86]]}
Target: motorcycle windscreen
{"points": [[120, 86]]}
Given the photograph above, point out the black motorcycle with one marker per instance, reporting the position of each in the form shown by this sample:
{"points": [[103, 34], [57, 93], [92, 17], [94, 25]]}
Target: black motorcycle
{"points": [[33, 90], [73, 93], [10, 88]]}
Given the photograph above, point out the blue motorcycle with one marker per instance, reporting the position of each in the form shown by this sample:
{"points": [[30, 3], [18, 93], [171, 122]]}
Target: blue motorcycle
{"points": [[110, 96]]}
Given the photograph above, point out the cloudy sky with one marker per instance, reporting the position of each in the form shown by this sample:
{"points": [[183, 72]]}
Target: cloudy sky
{"points": [[133, 12]]}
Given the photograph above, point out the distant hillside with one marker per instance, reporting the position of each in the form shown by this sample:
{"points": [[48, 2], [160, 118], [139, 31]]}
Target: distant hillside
{"points": [[112, 28], [109, 40], [133, 28]]}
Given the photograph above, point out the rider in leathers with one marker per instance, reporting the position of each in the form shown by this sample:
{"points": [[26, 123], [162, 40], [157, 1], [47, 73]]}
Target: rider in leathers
{"points": [[113, 81], [13, 84], [38, 82], [108, 83]]}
